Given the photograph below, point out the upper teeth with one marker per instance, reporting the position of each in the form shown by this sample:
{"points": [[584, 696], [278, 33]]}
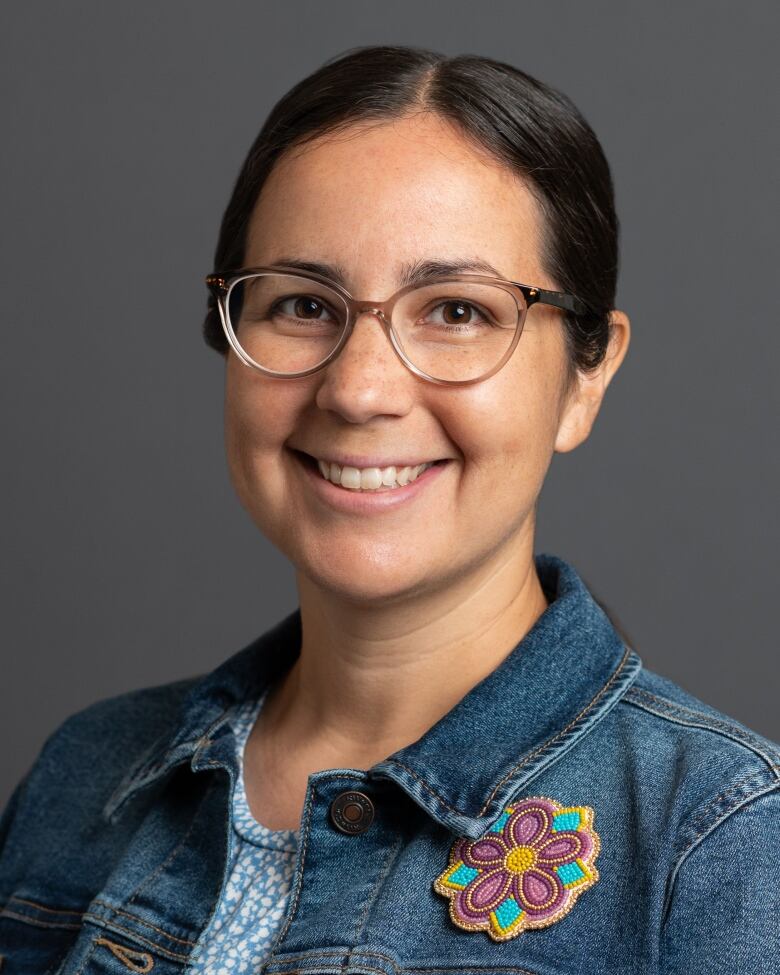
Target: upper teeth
{"points": [[371, 478]]}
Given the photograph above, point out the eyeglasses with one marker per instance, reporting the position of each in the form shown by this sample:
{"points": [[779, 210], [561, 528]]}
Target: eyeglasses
{"points": [[453, 330]]}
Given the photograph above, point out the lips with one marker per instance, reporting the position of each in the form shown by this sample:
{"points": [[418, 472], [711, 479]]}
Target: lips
{"points": [[365, 502]]}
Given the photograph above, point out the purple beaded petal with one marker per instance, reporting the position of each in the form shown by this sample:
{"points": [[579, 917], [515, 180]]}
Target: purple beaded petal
{"points": [[530, 824], [486, 892], [564, 847], [485, 853], [540, 892]]}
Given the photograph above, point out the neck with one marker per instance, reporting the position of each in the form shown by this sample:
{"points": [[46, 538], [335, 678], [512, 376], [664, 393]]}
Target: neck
{"points": [[371, 679]]}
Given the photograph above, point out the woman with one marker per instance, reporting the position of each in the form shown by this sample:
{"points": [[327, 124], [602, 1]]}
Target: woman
{"points": [[447, 759]]}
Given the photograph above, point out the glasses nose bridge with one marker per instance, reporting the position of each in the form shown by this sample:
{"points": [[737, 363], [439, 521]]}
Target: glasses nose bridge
{"points": [[380, 309]]}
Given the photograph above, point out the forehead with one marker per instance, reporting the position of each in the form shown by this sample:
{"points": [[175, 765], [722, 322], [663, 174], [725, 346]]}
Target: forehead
{"points": [[395, 192]]}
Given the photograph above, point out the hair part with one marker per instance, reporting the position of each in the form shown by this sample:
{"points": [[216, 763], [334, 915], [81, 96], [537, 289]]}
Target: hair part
{"points": [[532, 128]]}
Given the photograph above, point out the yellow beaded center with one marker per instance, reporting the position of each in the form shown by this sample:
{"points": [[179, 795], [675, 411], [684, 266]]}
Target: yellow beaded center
{"points": [[520, 859]]}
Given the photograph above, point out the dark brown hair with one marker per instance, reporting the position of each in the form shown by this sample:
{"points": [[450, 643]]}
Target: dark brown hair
{"points": [[532, 128]]}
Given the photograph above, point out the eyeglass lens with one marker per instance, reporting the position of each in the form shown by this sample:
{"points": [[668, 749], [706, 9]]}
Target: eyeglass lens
{"points": [[451, 330]]}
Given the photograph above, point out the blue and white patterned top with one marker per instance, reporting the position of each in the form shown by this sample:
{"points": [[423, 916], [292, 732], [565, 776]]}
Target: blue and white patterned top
{"points": [[254, 901]]}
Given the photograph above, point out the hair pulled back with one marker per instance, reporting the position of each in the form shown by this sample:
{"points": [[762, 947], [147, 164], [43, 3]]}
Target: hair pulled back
{"points": [[532, 128]]}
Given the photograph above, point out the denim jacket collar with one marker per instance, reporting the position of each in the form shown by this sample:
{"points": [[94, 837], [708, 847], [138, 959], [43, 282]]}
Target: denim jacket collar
{"points": [[558, 682]]}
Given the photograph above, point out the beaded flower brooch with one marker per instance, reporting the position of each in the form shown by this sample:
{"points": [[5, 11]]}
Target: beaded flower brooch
{"points": [[526, 871]]}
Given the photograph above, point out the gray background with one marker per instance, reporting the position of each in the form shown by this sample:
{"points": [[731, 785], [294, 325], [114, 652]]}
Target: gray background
{"points": [[127, 559]]}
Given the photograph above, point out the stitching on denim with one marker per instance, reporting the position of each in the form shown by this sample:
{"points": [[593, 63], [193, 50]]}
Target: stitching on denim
{"points": [[81, 914], [531, 755], [317, 971], [42, 907], [89, 955], [37, 921], [146, 881], [147, 760], [314, 954], [376, 954], [699, 819], [674, 706], [668, 709], [173, 854], [479, 970], [112, 925], [205, 739], [701, 814], [122, 952], [134, 917], [299, 874], [699, 839], [571, 724], [295, 971], [141, 773], [153, 760], [370, 901]]}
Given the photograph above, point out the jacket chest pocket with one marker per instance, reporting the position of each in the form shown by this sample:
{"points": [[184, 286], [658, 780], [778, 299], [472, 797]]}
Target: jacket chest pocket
{"points": [[39, 940], [103, 952], [34, 937], [115, 950]]}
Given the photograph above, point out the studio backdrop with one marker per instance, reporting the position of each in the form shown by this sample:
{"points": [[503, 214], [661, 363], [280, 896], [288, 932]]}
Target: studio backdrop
{"points": [[127, 558]]}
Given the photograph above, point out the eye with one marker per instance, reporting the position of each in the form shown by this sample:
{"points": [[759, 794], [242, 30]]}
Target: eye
{"points": [[305, 307], [456, 313]]}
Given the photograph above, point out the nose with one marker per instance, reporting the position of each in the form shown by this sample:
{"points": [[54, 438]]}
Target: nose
{"points": [[367, 377]]}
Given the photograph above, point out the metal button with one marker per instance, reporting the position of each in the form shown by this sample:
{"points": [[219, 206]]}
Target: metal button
{"points": [[352, 812]]}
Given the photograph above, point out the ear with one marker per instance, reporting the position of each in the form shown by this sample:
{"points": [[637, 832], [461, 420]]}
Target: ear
{"points": [[583, 400]]}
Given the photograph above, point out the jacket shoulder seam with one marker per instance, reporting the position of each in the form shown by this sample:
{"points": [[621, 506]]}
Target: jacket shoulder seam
{"points": [[680, 714], [701, 828]]}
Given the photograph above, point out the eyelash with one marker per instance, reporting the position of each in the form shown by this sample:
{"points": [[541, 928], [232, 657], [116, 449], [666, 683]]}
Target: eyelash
{"points": [[466, 304], [277, 306]]}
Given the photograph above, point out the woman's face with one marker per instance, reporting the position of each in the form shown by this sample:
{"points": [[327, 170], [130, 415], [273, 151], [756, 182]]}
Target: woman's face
{"points": [[372, 200]]}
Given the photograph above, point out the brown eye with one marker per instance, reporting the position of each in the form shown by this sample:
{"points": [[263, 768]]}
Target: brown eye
{"points": [[456, 312], [307, 308]]}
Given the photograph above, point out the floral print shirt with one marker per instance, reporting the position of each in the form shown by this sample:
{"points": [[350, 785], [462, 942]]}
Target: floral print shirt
{"points": [[253, 902]]}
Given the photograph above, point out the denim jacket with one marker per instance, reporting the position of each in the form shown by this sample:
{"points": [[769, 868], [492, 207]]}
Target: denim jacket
{"points": [[572, 813]]}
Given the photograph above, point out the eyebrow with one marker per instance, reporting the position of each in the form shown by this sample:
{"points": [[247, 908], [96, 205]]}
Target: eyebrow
{"points": [[415, 272]]}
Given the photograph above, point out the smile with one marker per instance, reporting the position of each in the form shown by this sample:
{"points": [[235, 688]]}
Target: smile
{"points": [[371, 478], [351, 488]]}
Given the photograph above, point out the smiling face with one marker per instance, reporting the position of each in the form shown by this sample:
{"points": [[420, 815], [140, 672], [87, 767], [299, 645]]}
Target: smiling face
{"points": [[372, 200]]}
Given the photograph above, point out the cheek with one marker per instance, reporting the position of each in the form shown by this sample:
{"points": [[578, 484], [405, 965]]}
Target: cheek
{"points": [[509, 423], [259, 416]]}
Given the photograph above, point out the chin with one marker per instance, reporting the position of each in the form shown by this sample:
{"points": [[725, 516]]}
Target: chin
{"points": [[382, 577]]}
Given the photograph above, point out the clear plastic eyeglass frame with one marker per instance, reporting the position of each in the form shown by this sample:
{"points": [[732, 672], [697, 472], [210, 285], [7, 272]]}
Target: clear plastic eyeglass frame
{"points": [[221, 284]]}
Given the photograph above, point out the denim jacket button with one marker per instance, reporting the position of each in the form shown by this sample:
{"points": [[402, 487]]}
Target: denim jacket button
{"points": [[352, 812]]}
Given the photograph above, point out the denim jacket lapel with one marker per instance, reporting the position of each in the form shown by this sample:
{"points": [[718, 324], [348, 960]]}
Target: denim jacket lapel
{"points": [[555, 685]]}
